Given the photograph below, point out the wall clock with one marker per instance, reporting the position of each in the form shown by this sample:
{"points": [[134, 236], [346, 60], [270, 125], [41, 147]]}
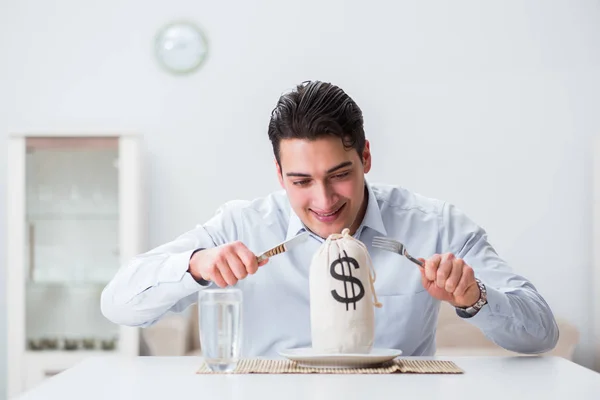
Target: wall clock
{"points": [[181, 47]]}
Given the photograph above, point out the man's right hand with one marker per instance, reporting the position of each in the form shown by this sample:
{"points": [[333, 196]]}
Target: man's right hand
{"points": [[224, 265]]}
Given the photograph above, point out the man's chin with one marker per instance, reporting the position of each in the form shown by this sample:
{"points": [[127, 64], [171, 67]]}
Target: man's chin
{"points": [[326, 231]]}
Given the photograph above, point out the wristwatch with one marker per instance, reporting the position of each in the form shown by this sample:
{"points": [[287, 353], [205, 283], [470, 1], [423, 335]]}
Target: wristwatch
{"points": [[468, 312]]}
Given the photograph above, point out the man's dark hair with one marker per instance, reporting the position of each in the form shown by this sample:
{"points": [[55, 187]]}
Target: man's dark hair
{"points": [[313, 110]]}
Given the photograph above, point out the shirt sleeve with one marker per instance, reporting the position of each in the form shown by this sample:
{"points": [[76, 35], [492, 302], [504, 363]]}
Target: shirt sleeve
{"points": [[156, 282], [516, 317]]}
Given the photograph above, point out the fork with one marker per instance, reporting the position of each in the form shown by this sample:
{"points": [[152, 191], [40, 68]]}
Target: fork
{"points": [[395, 247]]}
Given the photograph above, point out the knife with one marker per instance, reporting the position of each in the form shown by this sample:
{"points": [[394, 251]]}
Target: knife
{"points": [[283, 247]]}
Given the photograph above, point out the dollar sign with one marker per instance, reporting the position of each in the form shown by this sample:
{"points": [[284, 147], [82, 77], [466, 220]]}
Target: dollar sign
{"points": [[347, 279]]}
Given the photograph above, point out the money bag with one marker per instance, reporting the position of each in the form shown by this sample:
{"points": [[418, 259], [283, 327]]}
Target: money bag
{"points": [[342, 296]]}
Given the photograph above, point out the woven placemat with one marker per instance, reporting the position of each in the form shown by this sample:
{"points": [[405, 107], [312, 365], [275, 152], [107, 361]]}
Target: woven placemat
{"points": [[414, 366]]}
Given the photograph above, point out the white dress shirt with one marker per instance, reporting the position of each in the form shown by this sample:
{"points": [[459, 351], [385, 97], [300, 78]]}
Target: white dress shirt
{"points": [[276, 312]]}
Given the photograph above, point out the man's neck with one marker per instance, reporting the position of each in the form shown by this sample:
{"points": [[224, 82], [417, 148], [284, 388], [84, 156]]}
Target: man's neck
{"points": [[361, 213]]}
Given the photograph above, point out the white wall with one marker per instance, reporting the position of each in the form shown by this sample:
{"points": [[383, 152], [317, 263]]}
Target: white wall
{"points": [[489, 105]]}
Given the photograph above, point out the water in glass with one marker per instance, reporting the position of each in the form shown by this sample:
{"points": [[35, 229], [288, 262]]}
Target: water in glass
{"points": [[220, 327]]}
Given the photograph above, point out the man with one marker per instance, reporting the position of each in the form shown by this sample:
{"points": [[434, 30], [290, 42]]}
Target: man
{"points": [[322, 157]]}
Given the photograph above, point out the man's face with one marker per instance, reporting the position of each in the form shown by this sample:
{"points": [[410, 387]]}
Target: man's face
{"points": [[324, 183]]}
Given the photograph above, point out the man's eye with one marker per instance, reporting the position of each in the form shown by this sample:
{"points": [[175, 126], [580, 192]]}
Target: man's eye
{"points": [[301, 183], [340, 176]]}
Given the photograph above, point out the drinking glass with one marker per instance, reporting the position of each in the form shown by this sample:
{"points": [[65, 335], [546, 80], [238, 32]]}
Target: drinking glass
{"points": [[220, 325]]}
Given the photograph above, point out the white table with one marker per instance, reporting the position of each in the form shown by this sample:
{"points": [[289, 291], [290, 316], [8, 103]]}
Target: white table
{"points": [[173, 378]]}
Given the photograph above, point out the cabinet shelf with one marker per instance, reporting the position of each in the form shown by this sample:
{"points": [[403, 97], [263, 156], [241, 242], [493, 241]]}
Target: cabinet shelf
{"points": [[49, 355], [83, 284], [72, 217]]}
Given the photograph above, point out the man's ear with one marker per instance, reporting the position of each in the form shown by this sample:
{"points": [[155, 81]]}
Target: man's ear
{"points": [[366, 157], [279, 174]]}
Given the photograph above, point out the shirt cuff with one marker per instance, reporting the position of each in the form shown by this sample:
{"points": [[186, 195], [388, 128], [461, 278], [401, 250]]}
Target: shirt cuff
{"points": [[176, 270], [201, 282], [497, 305]]}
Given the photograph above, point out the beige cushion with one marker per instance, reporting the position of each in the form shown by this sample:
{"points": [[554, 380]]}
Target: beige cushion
{"points": [[456, 336], [169, 336], [178, 335]]}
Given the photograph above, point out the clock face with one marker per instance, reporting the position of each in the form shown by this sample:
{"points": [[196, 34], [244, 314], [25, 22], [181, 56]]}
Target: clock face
{"points": [[181, 47]]}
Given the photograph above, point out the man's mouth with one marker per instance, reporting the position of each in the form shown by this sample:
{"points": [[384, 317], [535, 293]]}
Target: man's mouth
{"points": [[328, 216]]}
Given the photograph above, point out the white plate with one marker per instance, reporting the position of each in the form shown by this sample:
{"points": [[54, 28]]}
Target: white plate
{"points": [[309, 357]]}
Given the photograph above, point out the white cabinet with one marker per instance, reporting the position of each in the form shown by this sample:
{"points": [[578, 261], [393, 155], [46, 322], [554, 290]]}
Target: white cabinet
{"points": [[75, 216]]}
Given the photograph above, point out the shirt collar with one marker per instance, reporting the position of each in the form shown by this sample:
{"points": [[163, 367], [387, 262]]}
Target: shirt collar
{"points": [[295, 226], [372, 218]]}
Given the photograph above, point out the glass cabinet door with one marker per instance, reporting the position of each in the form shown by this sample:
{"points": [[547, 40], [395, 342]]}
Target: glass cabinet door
{"points": [[72, 240]]}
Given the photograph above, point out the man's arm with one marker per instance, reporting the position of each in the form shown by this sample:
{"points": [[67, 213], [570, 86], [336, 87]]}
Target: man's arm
{"points": [[516, 317], [159, 281]]}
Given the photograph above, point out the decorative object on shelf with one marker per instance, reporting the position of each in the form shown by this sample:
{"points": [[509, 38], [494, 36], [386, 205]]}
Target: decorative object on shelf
{"points": [[50, 343], [44, 343], [35, 344], [109, 344], [181, 47], [89, 343], [71, 344]]}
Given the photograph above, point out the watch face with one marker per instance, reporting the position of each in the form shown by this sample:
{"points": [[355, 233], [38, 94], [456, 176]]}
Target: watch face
{"points": [[181, 47]]}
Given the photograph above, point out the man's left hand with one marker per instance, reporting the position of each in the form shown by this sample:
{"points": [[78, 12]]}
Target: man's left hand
{"points": [[450, 279]]}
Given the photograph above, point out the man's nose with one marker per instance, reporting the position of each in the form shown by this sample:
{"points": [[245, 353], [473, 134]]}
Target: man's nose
{"points": [[324, 197]]}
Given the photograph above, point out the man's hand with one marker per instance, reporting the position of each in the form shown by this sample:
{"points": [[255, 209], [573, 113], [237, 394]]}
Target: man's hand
{"points": [[448, 278], [225, 264]]}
